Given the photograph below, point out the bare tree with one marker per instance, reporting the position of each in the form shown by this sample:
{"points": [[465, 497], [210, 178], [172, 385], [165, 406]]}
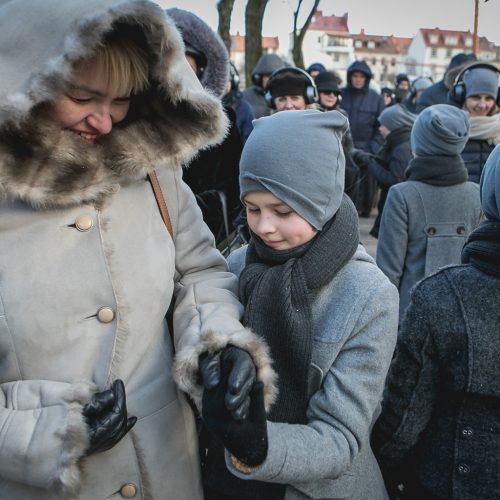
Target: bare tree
{"points": [[254, 13], [225, 9], [298, 35]]}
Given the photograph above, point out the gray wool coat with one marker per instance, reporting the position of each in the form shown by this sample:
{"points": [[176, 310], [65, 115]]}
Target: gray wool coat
{"points": [[423, 228], [355, 323], [88, 270]]}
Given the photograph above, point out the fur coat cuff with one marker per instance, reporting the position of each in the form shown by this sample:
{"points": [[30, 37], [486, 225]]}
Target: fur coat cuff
{"points": [[186, 362]]}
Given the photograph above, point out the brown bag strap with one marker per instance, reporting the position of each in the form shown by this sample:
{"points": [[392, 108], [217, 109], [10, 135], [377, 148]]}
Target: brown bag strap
{"points": [[155, 184]]}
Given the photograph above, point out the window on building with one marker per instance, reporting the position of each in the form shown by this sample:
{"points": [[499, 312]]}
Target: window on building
{"points": [[450, 40], [383, 60], [449, 53], [468, 41], [434, 52], [358, 44], [371, 44], [393, 61], [336, 56], [433, 39], [374, 60]]}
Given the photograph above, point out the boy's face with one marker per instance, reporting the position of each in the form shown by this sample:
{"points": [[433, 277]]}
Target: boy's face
{"points": [[276, 223]]}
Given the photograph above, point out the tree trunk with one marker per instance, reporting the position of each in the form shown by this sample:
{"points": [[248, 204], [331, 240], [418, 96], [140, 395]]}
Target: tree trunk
{"points": [[298, 35], [225, 9], [254, 13]]}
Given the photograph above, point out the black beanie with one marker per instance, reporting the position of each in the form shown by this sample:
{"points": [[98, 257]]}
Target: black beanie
{"points": [[327, 82], [287, 83]]}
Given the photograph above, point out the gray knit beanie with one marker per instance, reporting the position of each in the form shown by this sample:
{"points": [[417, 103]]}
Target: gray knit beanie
{"points": [[396, 116], [490, 185], [481, 81], [298, 157], [440, 130]]}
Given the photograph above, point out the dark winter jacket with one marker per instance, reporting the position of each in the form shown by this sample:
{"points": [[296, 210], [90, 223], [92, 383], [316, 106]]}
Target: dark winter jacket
{"points": [[244, 113], [475, 154], [363, 107], [435, 94], [388, 167], [440, 423]]}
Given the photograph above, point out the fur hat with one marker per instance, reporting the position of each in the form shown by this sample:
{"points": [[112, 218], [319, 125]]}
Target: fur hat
{"points": [[277, 158], [200, 39], [440, 130], [481, 81], [287, 83], [396, 117], [490, 185]]}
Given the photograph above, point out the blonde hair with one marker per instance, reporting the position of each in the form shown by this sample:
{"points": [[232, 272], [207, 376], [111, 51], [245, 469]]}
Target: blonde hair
{"points": [[123, 62]]}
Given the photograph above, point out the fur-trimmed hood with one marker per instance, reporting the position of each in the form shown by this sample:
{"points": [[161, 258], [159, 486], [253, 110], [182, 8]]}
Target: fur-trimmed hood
{"points": [[197, 34], [165, 127]]}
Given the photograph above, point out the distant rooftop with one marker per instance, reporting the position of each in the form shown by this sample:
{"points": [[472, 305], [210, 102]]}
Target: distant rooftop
{"points": [[329, 23], [268, 43]]}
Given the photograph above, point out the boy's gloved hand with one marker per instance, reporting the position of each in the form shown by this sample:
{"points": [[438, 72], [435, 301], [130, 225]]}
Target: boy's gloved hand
{"points": [[241, 375], [247, 439], [106, 416]]}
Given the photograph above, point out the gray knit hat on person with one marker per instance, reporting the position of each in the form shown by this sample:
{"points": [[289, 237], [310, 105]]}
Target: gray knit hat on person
{"points": [[481, 81], [396, 117], [490, 185], [298, 157], [440, 130]]}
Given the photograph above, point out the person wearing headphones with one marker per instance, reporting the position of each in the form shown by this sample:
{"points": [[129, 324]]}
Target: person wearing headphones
{"points": [[418, 86], [290, 89], [330, 99], [476, 91], [254, 95]]}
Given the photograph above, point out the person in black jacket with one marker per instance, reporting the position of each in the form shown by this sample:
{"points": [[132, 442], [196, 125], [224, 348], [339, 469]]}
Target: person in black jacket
{"points": [[389, 164], [438, 92], [213, 174], [363, 106], [438, 436], [476, 91]]}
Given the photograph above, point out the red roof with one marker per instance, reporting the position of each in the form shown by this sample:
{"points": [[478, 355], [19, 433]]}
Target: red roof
{"points": [[329, 23], [268, 42], [443, 37], [381, 44]]}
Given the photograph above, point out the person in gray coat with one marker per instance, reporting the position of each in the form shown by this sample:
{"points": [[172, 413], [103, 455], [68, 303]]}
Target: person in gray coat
{"points": [[427, 218], [439, 432], [99, 110], [328, 314]]}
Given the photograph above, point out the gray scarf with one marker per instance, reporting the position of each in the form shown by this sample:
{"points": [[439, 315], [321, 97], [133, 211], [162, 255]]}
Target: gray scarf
{"points": [[437, 170]]}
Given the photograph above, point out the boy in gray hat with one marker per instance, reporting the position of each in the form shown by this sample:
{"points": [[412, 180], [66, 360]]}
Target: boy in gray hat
{"points": [[327, 313], [427, 219]]}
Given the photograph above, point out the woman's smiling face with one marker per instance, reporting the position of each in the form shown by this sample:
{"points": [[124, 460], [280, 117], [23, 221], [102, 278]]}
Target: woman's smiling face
{"points": [[90, 107]]}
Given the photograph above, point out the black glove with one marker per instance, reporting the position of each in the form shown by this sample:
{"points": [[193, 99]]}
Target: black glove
{"points": [[106, 416], [246, 440], [361, 158], [241, 375]]}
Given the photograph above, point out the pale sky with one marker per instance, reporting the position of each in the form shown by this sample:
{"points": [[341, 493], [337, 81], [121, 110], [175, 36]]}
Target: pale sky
{"points": [[377, 17]]}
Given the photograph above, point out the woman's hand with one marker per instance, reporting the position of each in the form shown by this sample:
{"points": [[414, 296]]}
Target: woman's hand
{"points": [[106, 416], [240, 376]]}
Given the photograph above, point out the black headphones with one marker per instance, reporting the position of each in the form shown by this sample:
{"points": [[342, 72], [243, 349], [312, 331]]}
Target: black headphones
{"points": [[310, 92], [458, 91], [413, 90]]}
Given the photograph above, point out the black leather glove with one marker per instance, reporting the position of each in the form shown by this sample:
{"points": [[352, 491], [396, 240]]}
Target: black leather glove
{"points": [[241, 375], [246, 440], [361, 158], [106, 416]]}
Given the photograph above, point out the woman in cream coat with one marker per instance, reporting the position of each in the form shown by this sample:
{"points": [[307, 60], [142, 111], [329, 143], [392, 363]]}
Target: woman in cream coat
{"points": [[87, 267]]}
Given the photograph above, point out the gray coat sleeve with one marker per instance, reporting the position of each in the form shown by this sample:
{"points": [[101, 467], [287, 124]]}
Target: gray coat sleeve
{"points": [[393, 236], [340, 413]]}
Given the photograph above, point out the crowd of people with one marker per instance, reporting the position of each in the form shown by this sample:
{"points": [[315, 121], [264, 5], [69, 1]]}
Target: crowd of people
{"points": [[138, 361]]}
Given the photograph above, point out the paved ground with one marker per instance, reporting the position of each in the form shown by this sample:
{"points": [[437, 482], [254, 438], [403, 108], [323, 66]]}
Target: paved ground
{"points": [[369, 242]]}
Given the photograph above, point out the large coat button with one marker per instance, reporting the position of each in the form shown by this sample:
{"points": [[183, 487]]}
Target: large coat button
{"points": [[431, 231], [128, 490], [463, 469], [84, 223], [467, 432], [105, 315]]}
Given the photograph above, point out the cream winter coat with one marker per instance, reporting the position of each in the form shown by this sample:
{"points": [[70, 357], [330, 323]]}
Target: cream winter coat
{"points": [[87, 268]]}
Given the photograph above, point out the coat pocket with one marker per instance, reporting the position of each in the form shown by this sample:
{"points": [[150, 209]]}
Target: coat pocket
{"points": [[444, 244]]}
